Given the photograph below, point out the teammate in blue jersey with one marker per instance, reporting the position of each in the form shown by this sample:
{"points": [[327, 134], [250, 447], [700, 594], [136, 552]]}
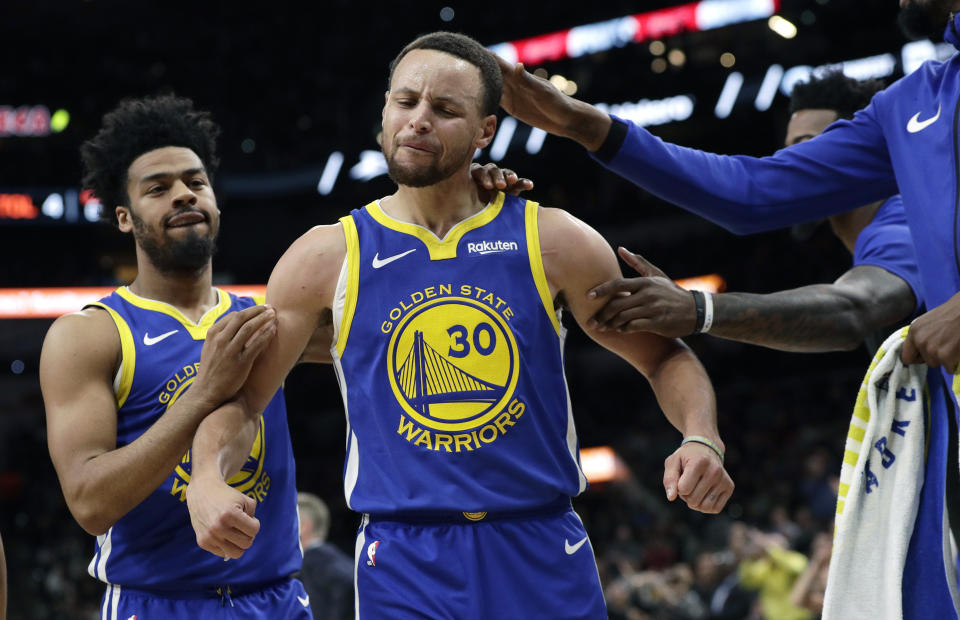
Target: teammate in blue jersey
{"points": [[905, 141], [127, 381], [880, 291], [462, 453]]}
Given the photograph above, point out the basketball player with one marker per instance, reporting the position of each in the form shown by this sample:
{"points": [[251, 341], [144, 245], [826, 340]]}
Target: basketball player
{"points": [[865, 304], [127, 380], [904, 141], [462, 452], [881, 290]]}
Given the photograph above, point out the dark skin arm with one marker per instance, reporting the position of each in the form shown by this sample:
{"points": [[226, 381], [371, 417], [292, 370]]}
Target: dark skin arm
{"points": [[537, 102], [816, 318]]}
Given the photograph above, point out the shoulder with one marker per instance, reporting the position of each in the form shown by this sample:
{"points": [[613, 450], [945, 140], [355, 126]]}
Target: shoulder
{"points": [[575, 256], [309, 269], [319, 243], [81, 339], [561, 230], [569, 240]]}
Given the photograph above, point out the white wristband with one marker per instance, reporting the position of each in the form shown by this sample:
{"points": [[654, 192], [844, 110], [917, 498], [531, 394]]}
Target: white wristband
{"points": [[707, 312]]}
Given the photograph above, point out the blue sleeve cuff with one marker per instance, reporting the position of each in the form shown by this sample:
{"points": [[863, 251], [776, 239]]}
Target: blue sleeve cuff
{"points": [[614, 140]]}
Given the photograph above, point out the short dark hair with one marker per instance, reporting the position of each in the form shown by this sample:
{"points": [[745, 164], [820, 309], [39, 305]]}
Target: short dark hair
{"points": [[138, 126], [461, 46], [833, 90]]}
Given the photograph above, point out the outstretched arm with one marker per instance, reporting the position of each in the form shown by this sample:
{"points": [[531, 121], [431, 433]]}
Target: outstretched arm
{"points": [[820, 317], [301, 289], [847, 165], [694, 472]]}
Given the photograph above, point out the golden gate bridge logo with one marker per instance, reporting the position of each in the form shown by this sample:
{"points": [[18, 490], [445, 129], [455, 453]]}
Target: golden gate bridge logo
{"points": [[453, 364], [427, 377]]}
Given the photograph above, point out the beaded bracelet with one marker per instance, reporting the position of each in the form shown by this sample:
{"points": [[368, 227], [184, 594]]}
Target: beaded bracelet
{"points": [[703, 440]]}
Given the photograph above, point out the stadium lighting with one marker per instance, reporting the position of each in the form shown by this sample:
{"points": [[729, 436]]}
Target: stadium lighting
{"points": [[637, 28], [768, 89], [601, 464], [34, 303], [330, 172], [502, 141], [783, 27], [729, 94], [535, 140]]}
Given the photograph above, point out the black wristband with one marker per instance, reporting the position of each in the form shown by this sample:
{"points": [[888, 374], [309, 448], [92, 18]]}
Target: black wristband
{"points": [[701, 310], [614, 140]]}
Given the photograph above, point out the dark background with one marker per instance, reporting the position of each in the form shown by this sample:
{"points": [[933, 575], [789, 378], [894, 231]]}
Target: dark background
{"points": [[301, 81]]}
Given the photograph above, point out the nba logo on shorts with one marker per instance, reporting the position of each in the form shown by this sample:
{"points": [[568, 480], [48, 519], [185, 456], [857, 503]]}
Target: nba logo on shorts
{"points": [[372, 553]]}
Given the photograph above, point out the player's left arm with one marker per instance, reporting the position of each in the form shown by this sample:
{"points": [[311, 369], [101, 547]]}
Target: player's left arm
{"points": [[576, 258]]}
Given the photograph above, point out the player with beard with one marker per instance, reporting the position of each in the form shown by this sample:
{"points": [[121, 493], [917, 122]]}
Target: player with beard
{"points": [[127, 380], [906, 140], [462, 453]]}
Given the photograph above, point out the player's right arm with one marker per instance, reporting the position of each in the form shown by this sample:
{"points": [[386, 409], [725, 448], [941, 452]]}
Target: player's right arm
{"points": [[301, 288], [102, 482], [815, 318], [847, 165]]}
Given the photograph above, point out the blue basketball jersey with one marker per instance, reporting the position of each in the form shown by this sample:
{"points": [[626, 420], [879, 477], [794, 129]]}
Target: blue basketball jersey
{"points": [[154, 546], [449, 355]]}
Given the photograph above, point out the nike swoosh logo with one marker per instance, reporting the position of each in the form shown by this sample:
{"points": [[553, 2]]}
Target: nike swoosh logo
{"points": [[571, 549], [147, 340], [378, 263], [304, 600], [916, 124]]}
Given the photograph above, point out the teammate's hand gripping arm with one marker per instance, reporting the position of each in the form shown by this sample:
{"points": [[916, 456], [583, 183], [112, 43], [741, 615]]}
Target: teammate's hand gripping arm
{"points": [[819, 317], [301, 289], [102, 482], [576, 259]]}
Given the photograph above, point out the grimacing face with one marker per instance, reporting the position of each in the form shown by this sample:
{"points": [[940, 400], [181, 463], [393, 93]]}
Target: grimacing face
{"points": [[173, 213], [431, 118]]}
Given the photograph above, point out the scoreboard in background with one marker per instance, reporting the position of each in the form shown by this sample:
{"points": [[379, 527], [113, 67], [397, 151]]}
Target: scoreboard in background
{"points": [[48, 206]]}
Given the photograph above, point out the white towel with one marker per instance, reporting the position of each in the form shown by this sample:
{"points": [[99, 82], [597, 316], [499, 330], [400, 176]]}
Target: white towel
{"points": [[879, 493]]}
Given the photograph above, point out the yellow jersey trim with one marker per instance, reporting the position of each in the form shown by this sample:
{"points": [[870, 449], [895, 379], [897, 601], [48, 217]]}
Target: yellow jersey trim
{"points": [[353, 281], [128, 354], [259, 299], [536, 262], [440, 249], [198, 331]]}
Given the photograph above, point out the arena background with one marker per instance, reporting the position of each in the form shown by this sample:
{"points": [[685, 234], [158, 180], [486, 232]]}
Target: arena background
{"points": [[293, 86]]}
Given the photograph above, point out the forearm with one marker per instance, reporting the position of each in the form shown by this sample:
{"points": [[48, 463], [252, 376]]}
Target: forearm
{"points": [[223, 440], [749, 194], [116, 481], [807, 319], [586, 124], [685, 393]]}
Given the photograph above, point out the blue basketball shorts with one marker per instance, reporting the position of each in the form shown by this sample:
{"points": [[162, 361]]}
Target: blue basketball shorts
{"points": [[531, 568], [282, 600]]}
